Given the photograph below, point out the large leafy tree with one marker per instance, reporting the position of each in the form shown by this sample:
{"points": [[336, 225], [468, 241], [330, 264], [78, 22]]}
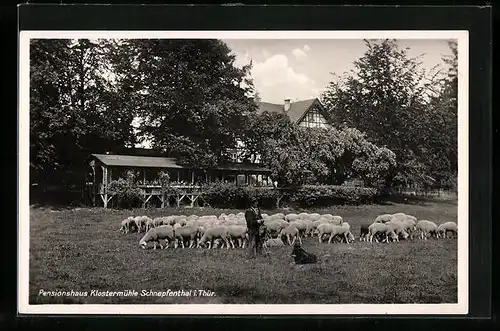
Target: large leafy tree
{"points": [[190, 97], [388, 96], [297, 155], [73, 104]]}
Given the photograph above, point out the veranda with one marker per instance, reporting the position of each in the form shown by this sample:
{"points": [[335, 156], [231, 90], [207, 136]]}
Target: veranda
{"points": [[186, 182]]}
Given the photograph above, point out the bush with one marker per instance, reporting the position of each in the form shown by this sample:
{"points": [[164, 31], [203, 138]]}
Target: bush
{"points": [[224, 195], [314, 195], [227, 194], [125, 193]]}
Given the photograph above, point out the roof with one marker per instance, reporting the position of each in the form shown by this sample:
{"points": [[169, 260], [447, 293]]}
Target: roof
{"points": [[168, 162], [296, 112], [137, 161]]}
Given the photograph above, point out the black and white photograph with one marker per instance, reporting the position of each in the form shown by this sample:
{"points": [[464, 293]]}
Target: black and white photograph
{"points": [[256, 172]]}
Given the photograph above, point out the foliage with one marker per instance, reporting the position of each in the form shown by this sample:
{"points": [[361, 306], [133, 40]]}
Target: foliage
{"points": [[317, 195], [298, 155], [401, 106], [74, 108], [126, 193], [190, 96]]}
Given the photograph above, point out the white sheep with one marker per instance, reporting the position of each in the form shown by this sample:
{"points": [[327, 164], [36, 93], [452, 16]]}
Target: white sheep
{"points": [[239, 233], [273, 242], [141, 222], [384, 218], [290, 232], [383, 229], [336, 220], [427, 228], [399, 229], [301, 226], [446, 227], [164, 232], [189, 233], [211, 234], [291, 217], [127, 224]]}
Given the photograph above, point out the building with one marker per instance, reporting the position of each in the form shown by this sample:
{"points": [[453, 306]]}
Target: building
{"points": [[306, 113], [105, 168]]}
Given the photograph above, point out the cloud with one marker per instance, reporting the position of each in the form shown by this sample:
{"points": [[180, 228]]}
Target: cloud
{"points": [[299, 54], [276, 70]]}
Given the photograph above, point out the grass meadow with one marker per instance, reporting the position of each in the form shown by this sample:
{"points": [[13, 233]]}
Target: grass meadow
{"points": [[81, 249]]}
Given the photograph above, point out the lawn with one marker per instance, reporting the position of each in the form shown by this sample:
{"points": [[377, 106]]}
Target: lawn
{"points": [[82, 250]]}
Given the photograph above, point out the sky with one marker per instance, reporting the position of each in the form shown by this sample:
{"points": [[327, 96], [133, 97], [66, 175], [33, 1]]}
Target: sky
{"points": [[301, 69]]}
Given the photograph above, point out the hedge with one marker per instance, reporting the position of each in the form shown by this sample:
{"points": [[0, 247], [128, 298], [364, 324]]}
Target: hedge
{"points": [[224, 195]]}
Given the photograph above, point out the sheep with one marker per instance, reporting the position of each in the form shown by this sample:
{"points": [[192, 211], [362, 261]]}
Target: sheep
{"points": [[149, 224], [324, 228], [183, 233], [340, 230], [384, 218], [309, 227], [164, 232], [213, 233], [303, 216], [141, 222], [398, 228], [363, 233], [336, 220], [291, 217], [427, 228], [290, 232], [274, 242], [177, 226], [314, 217], [239, 233], [443, 229], [127, 224], [301, 226], [264, 215], [274, 227], [382, 229]]}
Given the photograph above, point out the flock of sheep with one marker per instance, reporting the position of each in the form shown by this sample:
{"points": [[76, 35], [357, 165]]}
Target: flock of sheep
{"points": [[231, 231]]}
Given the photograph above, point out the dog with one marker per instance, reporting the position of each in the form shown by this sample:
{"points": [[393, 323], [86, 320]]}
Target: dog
{"points": [[301, 256]]}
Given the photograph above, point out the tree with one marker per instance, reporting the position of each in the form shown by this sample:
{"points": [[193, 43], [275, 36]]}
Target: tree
{"points": [[190, 96], [387, 96], [329, 156], [73, 105]]}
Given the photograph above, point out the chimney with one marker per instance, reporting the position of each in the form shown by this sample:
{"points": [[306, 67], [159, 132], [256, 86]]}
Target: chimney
{"points": [[286, 106]]}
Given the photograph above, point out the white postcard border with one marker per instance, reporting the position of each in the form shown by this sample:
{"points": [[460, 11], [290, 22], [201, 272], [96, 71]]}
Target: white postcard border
{"points": [[247, 309]]}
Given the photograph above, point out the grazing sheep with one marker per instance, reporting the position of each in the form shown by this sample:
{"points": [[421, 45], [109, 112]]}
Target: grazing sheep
{"points": [[398, 228], [290, 232], [211, 234], [274, 242], [364, 232], [444, 228], [340, 230], [427, 228], [127, 224], [177, 226], [301, 226], [149, 224], [336, 220], [324, 228], [309, 227], [383, 229], [189, 233], [239, 233], [164, 232], [291, 217], [141, 222], [384, 218], [274, 227]]}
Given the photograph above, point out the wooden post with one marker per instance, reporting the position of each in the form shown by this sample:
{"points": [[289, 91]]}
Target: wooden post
{"points": [[192, 177], [144, 176], [105, 184], [95, 187], [178, 176]]}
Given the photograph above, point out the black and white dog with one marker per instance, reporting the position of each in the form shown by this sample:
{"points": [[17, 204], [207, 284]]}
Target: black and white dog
{"points": [[301, 256]]}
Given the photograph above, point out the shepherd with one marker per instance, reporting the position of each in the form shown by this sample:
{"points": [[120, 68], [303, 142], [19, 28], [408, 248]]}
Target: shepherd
{"points": [[255, 226]]}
